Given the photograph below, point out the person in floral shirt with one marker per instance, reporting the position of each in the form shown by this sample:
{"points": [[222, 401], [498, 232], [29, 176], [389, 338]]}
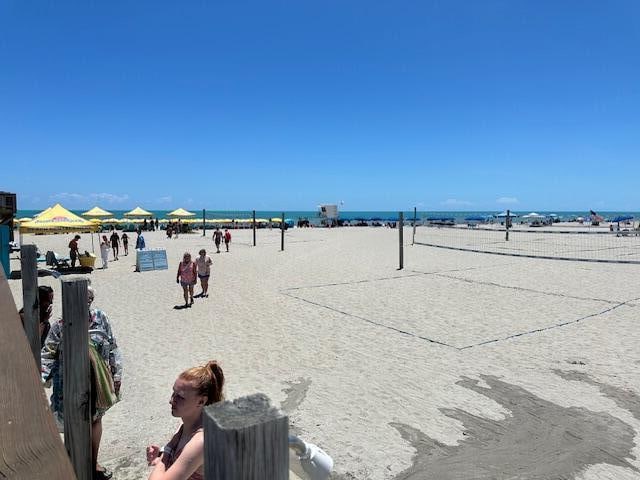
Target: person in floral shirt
{"points": [[103, 342]]}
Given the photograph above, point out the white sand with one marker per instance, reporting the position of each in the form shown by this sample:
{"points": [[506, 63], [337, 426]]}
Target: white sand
{"points": [[328, 314]]}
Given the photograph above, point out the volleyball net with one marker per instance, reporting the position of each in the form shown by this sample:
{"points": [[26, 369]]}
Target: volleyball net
{"points": [[581, 245]]}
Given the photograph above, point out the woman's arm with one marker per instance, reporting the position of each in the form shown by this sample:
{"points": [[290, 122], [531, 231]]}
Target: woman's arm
{"points": [[178, 274], [191, 458]]}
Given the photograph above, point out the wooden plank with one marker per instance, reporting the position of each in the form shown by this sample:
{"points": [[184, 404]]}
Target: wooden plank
{"points": [[29, 275], [246, 439], [29, 440], [76, 375]]}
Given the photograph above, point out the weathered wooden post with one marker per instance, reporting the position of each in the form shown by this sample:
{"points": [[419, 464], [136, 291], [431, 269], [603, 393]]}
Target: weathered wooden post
{"points": [[507, 223], [415, 219], [246, 439], [401, 238], [30, 301], [76, 376], [254, 228], [204, 223], [282, 233]]}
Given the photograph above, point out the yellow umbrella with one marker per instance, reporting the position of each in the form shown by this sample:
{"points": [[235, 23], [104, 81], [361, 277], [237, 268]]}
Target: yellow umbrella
{"points": [[181, 213], [23, 219], [97, 212], [44, 211], [57, 219], [262, 220], [276, 219], [138, 212]]}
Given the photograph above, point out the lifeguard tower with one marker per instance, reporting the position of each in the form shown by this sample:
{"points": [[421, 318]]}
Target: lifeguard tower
{"points": [[329, 214]]}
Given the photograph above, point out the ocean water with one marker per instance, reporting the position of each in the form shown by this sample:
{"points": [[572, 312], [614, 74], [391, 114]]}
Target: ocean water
{"points": [[458, 216]]}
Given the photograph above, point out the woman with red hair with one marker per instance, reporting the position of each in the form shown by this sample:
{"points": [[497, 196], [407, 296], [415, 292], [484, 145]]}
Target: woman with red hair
{"points": [[183, 457]]}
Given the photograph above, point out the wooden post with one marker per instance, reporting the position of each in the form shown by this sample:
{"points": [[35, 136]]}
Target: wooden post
{"points": [[29, 274], [76, 375], [204, 223], [401, 238], [415, 219], [282, 233], [246, 439], [506, 225], [254, 228]]}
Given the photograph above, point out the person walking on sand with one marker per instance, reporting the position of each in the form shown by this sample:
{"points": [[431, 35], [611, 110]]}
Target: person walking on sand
{"points": [[217, 238], [125, 243], [140, 245], [115, 243], [204, 271], [227, 238], [186, 277], [183, 457], [73, 250], [104, 252]]}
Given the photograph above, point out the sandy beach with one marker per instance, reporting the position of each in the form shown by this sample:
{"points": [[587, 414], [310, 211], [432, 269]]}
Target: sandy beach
{"points": [[459, 366]]}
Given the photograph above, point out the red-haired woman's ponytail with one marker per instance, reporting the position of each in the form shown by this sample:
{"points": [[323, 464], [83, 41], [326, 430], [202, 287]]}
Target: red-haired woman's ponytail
{"points": [[208, 380]]}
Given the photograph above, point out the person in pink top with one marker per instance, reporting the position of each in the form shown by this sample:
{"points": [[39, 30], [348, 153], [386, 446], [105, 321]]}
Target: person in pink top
{"points": [[186, 276], [183, 457]]}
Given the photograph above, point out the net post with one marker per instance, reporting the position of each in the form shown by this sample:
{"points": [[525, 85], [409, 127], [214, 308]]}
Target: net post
{"points": [[204, 228], [282, 233], [254, 228], [507, 221], [415, 219], [400, 238]]}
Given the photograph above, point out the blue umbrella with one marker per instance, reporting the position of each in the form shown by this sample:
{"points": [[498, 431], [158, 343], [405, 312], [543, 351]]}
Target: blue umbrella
{"points": [[621, 218], [475, 219]]}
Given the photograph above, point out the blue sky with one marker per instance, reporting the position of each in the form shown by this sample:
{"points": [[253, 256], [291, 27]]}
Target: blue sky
{"points": [[443, 105]]}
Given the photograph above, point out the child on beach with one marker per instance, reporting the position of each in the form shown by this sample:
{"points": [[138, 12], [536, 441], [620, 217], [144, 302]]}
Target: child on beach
{"points": [[104, 252], [204, 271], [125, 243], [183, 457], [186, 277]]}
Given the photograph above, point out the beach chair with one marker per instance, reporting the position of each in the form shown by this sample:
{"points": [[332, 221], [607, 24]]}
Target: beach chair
{"points": [[56, 261]]}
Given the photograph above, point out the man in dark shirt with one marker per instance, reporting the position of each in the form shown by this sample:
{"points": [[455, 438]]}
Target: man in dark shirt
{"points": [[73, 250], [115, 243]]}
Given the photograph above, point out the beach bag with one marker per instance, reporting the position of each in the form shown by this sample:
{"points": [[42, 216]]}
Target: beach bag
{"points": [[105, 390]]}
